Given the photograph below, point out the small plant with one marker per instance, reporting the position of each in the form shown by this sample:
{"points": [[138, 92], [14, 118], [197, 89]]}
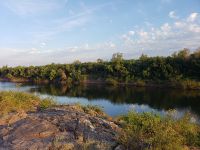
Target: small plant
{"points": [[93, 110], [46, 103]]}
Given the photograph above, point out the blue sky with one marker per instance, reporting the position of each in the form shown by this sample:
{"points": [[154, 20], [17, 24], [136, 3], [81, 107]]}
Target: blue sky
{"points": [[37, 32]]}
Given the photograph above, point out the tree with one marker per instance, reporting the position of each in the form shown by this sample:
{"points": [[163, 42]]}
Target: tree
{"points": [[76, 62], [143, 57], [61, 75], [185, 53], [52, 75], [99, 60], [117, 57]]}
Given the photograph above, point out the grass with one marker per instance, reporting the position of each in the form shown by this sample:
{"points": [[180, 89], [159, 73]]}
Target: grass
{"points": [[93, 110], [151, 131], [11, 101]]}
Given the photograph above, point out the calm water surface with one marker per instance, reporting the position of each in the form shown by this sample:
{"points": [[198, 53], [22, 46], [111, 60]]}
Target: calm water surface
{"points": [[116, 101]]}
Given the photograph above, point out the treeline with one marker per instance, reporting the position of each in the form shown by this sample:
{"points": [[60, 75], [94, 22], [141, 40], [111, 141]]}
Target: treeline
{"points": [[181, 66]]}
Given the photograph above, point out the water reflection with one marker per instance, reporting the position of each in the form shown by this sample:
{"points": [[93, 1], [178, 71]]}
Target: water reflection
{"points": [[120, 100], [159, 99]]}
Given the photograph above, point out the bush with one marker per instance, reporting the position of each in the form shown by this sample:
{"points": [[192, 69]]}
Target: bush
{"points": [[150, 131]]}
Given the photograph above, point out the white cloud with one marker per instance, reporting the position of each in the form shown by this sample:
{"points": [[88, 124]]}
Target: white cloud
{"points": [[143, 35], [172, 15], [180, 24], [166, 28], [34, 51], [165, 39], [161, 40], [43, 44], [194, 28], [192, 17], [131, 33]]}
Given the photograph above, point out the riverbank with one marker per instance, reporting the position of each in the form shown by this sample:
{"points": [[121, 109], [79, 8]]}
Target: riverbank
{"points": [[181, 84], [29, 122]]}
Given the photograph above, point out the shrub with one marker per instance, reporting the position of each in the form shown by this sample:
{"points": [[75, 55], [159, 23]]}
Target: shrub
{"points": [[151, 131]]}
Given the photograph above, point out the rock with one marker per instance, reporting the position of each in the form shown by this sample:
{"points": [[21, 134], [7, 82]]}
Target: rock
{"points": [[119, 147], [62, 127], [13, 117]]}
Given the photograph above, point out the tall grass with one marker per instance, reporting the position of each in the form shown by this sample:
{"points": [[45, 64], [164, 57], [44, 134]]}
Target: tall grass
{"points": [[11, 101]]}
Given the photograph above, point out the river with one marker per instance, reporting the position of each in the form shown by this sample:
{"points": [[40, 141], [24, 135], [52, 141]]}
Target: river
{"points": [[118, 100]]}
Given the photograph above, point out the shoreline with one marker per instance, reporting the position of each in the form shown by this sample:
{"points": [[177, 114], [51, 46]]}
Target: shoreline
{"points": [[140, 83]]}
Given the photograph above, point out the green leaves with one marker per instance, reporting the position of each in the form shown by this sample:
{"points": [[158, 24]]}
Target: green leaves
{"points": [[151, 131]]}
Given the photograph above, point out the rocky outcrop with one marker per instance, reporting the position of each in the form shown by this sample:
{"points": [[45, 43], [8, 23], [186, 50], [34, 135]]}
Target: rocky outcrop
{"points": [[61, 127]]}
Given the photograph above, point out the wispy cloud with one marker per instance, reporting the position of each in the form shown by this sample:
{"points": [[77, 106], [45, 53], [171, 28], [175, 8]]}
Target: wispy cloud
{"points": [[75, 20], [193, 17], [31, 7], [172, 14], [38, 56]]}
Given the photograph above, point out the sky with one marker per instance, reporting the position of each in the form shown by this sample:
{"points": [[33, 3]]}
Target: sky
{"points": [[38, 32]]}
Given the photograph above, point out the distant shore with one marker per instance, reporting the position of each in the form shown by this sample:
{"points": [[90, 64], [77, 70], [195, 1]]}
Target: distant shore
{"points": [[183, 84]]}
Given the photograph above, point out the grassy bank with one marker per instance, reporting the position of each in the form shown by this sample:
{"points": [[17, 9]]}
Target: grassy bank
{"points": [[19, 101]]}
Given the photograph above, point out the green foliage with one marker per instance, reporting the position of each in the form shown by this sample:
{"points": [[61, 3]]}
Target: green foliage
{"points": [[180, 66], [19, 101], [117, 57], [9, 76], [150, 131], [46, 103], [91, 109], [52, 75]]}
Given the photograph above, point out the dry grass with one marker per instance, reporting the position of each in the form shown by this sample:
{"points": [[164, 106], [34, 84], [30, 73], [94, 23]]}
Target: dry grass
{"points": [[11, 101]]}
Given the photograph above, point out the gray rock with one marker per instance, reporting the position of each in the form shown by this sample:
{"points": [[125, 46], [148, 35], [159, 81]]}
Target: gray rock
{"points": [[62, 127]]}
